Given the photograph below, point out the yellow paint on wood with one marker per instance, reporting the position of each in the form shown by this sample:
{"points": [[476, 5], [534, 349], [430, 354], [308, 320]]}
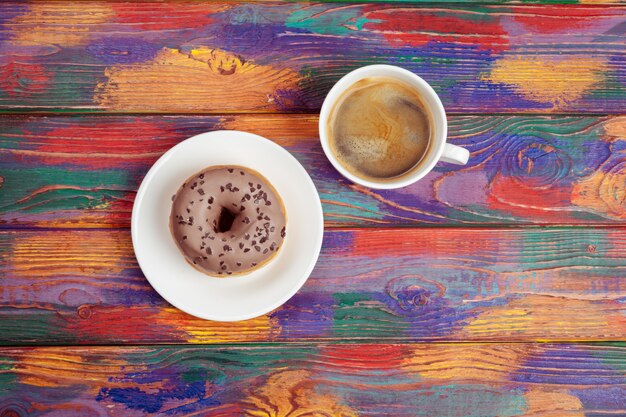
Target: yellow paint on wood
{"points": [[615, 128], [293, 393], [43, 367], [533, 314], [478, 363], [556, 80], [556, 403], [203, 79], [603, 192], [79, 254], [203, 331], [58, 23]]}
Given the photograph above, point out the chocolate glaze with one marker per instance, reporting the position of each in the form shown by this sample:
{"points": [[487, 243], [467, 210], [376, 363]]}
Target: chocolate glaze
{"points": [[227, 220]]}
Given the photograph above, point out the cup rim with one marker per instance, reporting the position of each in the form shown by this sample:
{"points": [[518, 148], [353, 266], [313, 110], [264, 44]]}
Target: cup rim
{"points": [[389, 70]]}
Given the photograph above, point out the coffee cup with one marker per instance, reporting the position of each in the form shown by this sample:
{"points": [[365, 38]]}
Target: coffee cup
{"points": [[392, 126]]}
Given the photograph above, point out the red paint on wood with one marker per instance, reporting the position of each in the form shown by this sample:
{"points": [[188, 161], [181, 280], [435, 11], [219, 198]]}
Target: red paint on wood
{"points": [[120, 324], [164, 16], [23, 78], [366, 356], [108, 142], [416, 28], [390, 243], [555, 19], [512, 196]]}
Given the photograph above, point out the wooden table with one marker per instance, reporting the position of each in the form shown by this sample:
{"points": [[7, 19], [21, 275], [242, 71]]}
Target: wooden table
{"points": [[494, 289]]}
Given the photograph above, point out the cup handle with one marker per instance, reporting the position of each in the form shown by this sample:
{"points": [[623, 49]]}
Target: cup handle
{"points": [[455, 154]]}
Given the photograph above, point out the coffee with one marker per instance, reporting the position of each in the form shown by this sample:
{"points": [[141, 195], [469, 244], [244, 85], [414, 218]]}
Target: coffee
{"points": [[379, 128]]}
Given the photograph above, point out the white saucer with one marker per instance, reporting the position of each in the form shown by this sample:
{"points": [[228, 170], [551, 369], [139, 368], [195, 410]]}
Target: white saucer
{"points": [[238, 297]]}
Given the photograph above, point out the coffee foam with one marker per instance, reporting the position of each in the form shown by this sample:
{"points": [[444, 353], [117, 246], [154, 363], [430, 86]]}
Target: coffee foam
{"points": [[379, 128]]}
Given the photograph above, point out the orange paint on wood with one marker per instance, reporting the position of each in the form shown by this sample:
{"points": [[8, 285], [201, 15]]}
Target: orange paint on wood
{"points": [[556, 80], [529, 316], [293, 390], [59, 23], [176, 81], [552, 402], [490, 363], [366, 356]]}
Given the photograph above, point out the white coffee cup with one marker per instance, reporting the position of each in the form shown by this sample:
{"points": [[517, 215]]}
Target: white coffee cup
{"points": [[439, 150]]}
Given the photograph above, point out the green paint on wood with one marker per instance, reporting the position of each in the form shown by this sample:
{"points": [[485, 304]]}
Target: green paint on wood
{"points": [[42, 325], [8, 379], [49, 189], [357, 311], [323, 20]]}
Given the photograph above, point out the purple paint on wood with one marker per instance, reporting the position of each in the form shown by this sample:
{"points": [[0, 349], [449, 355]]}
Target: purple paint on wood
{"points": [[306, 315], [6, 15], [338, 241], [289, 99], [266, 43], [419, 305], [172, 383], [556, 367], [612, 399], [116, 50], [151, 401], [465, 188]]}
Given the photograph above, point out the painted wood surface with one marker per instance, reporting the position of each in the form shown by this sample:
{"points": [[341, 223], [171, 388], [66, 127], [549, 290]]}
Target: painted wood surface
{"points": [[267, 57], [85, 287], [348, 343], [84, 171], [443, 380]]}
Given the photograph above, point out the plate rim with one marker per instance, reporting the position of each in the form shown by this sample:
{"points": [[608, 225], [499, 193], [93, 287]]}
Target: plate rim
{"points": [[150, 176]]}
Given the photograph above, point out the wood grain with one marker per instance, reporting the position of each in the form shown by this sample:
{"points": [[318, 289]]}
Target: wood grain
{"points": [[84, 171], [325, 380], [284, 56], [84, 287]]}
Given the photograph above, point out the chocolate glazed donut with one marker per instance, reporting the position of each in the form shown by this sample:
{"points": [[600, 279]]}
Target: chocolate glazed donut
{"points": [[227, 220]]}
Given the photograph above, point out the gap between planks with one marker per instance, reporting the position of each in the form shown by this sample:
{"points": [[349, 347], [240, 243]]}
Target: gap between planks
{"points": [[98, 112], [322, 342]]}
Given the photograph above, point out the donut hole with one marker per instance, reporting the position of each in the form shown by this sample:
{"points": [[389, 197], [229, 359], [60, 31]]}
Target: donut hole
{"points": [[225, 220]]}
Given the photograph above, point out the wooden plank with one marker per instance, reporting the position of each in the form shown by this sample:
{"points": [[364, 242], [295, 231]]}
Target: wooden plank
{"points": [[84, 171], [85, 287], [267, 57], [323, 380]]}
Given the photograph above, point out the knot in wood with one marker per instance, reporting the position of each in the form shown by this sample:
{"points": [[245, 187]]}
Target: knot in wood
{"points": [[84, 311]]}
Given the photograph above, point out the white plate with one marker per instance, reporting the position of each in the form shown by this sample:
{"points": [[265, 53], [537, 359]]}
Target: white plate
{"points": [[238, 297]]}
